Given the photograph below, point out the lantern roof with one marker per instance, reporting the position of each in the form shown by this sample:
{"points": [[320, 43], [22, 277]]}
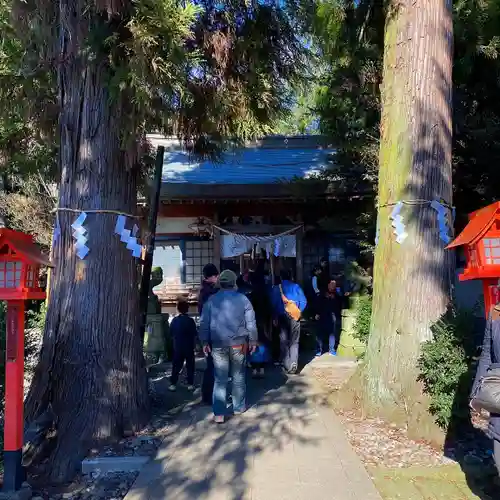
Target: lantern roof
{"points": [[24, 246], [479, 223]]}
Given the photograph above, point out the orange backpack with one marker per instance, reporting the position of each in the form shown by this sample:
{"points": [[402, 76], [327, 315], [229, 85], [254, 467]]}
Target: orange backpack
{"points": [[291, 307]]}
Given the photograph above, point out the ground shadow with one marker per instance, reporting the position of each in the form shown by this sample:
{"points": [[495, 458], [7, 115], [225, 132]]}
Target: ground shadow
{"points": [[467, 440], [204, 459]]}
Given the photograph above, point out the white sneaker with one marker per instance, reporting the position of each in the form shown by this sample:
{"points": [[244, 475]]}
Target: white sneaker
{"points": [[172, 388], [190, 387], [219, 419]]}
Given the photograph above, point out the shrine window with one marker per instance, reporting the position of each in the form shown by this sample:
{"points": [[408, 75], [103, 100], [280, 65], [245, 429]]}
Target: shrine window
{"points": [[197, 254], [491, 251]]}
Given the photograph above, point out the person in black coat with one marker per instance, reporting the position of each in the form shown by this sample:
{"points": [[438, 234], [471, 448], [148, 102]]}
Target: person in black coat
{"points": [[328, 314], [184, 333], [490, 358], [328, 309]]}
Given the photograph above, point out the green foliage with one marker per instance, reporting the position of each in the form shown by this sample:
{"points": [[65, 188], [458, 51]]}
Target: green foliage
{"points": [[302, 119], [476, 129], [206, 71], [35, 317], [446, 366], [363, 318], [350, 35]]}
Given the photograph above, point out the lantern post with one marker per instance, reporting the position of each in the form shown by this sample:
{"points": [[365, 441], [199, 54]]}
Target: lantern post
{"points": [[20, 261], [480, 240], [14, 397]]}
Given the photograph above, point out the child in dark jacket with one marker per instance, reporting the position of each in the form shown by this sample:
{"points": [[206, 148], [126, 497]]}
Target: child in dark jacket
{"points": [[184, 333]]}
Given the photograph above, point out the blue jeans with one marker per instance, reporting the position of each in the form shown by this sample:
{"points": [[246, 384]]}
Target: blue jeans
{"points": [[229, 360]]}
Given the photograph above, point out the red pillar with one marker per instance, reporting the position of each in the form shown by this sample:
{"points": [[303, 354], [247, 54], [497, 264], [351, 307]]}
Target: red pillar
{"points": [[491, 293], [14, 397]]}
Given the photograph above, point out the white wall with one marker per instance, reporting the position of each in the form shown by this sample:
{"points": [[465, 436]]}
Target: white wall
{"points": [[167, 255]]}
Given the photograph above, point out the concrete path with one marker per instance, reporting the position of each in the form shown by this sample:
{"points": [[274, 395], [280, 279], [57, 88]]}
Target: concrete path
{"points": [[288, 446]]}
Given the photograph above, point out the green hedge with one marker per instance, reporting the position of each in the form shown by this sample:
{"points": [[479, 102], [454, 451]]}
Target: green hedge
{"points": [[363, 318], [447, 366]]}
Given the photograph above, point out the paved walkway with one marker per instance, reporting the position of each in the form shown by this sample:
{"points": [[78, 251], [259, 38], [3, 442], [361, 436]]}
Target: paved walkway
{"points": [[288, 446]]}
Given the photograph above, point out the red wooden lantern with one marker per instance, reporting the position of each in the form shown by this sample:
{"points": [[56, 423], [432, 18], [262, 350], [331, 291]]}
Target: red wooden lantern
{"points": [[20, 261], [481, 242]]}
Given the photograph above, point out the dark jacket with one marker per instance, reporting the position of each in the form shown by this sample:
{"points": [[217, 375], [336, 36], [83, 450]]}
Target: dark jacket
{"points": [[184, 333], [324, 278], [490, 356], [206, 291], [326, 305]]}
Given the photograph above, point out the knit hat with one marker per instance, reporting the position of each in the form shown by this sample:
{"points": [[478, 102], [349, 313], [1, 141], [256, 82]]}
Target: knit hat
{"points": [[210, 270], [227, 279]]}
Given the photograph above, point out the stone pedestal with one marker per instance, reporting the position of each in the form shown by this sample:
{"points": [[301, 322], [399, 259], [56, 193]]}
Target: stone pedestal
{"points": [[154, 340], [349, 346]]}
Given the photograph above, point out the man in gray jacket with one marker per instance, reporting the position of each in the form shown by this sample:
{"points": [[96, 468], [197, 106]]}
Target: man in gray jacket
{"points": [[228, 325]]}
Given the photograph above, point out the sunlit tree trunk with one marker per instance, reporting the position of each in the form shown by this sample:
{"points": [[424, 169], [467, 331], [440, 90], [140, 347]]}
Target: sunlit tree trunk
{"points": [[412, 280], [91, 369]]}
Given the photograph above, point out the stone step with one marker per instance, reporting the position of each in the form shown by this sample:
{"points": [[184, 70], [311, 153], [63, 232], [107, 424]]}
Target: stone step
{"points": [[104, 465]]}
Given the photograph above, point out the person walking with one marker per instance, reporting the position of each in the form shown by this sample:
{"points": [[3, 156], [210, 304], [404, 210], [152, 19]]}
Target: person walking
{"points": [[285, 295], [490, 359], [328, 316], [227, 331], [184, 333], [208, 288]]}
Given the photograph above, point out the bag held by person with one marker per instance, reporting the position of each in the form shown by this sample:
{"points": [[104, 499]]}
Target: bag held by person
{"points": [[260, 355], [291, 307], [487, 394]]}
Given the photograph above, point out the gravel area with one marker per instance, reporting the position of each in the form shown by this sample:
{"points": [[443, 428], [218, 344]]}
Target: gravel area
{"points": [[114, 486], [95, 486], [379, 443]]}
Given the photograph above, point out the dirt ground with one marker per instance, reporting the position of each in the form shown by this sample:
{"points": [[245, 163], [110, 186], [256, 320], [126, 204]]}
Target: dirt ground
{"points": [[403, 468]]}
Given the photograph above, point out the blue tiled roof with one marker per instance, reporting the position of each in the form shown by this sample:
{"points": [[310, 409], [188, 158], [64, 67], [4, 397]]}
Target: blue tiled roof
{"points": [[247, 166]]}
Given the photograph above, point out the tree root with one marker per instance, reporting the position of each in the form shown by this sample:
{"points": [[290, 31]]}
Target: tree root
{"points": [[408, 409]]}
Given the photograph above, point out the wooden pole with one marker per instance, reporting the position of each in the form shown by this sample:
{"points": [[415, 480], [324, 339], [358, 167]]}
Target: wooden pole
{"points": [[150, 242]]}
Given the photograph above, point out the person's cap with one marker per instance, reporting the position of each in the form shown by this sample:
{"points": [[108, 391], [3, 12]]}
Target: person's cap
{"points": [[210, 270], [227, 278]]}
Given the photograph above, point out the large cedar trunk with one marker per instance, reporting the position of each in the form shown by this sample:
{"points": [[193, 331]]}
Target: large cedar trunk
{"points": [[412, 280], [92, 369]]}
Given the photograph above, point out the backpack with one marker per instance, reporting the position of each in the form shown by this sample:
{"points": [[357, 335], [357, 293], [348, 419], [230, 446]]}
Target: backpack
{"points": [[291, 307]]}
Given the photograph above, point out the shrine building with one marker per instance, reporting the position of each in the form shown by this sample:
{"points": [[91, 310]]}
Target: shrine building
{"points": [[267, 197]]}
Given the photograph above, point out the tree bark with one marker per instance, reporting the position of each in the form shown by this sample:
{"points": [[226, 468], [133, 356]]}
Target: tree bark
{"points": [[91, 369], [412, 280]]}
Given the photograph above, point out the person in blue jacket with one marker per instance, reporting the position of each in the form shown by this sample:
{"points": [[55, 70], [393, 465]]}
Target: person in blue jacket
{"points": [[289, 329]]}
